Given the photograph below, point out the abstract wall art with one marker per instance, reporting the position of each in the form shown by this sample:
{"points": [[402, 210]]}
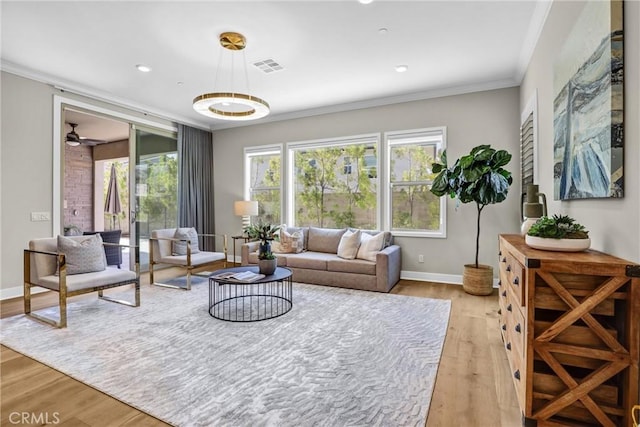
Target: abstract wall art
{"points": [[588, 106]]}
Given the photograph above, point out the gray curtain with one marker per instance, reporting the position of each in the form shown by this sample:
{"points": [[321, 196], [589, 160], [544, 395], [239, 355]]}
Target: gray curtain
{"points": [[195, 183]]}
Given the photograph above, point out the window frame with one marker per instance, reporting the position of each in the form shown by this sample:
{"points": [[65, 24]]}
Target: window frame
{"points": [[383, 141], [263, 150], [411, 137], [291, 147]]}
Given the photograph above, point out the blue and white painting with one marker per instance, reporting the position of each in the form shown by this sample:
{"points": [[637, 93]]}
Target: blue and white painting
{"points": [[588, 107]]}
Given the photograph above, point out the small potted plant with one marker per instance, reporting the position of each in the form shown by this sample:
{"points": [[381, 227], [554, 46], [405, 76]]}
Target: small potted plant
{"points": [[477, 177], [558, 233], [264, 232]]}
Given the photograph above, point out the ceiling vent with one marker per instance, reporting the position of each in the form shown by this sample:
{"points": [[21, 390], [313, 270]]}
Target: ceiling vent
{"points": [[268, 66]]}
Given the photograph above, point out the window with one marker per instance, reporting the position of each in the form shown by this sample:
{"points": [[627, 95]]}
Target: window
{"points": [[528, 144], [411, 207], [339, 182], [334, 182], [263, 175]]}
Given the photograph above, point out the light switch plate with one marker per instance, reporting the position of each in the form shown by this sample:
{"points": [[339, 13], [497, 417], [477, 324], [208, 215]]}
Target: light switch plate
{"points": [[40, 216]]}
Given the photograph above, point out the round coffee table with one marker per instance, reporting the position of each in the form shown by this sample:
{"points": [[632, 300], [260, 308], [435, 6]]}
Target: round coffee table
{"points": [[262, 299]]}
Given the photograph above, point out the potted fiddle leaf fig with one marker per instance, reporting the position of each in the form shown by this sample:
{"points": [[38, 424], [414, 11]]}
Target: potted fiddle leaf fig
{"points": [[477, 177]]}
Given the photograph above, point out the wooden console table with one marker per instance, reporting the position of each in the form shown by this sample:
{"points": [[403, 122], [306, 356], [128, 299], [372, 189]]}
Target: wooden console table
{"points": [[570, 322]]}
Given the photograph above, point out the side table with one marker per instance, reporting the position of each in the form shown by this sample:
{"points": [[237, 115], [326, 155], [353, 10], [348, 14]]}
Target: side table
{"points": [[245, 239]]}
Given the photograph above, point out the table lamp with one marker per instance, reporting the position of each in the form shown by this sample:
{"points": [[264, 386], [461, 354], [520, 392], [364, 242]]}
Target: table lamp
{"points": [[246, 209]]}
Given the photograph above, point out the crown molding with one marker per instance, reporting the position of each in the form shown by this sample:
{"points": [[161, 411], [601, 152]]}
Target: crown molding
{"points": [[538, 19], [93, 93], [376, 102]]}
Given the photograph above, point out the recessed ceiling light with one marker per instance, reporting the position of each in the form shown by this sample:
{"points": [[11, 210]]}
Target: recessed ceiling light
{"points": [[402, 68], [143, 68], [365, 1], [382, 31], [180, 83]]}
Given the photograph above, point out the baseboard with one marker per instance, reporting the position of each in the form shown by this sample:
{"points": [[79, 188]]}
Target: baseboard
{"points": [[18, 292], [423, 276]]}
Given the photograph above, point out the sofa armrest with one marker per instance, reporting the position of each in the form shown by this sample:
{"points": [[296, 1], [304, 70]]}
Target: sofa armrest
{"points": [[247, 248], [388, 265]]}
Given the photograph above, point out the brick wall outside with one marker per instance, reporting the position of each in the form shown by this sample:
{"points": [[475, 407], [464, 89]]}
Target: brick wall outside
{"points": [[78, 186]]}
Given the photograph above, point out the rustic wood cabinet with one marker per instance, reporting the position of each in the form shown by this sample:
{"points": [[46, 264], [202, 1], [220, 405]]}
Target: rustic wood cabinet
{"points": [[570, 322]]}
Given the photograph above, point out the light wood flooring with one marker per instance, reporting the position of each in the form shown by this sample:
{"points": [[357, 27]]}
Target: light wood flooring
{"points": [[473, 386]]}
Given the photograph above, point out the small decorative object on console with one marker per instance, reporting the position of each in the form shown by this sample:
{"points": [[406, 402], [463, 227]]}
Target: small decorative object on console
{"points": [[558, 233]]}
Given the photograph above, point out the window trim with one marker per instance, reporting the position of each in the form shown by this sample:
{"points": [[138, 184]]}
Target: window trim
{"points": [[262, 150], [383, 141], [407, 137], [291, 147]]}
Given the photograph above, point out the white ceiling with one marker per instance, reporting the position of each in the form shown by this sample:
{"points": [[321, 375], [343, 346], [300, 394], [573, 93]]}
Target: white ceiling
{"points": [[333, 54]]}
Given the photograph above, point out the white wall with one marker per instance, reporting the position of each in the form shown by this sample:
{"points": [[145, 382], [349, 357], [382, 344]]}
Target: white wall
{"points": [[490, 117], [614, 224], [26, 169]]}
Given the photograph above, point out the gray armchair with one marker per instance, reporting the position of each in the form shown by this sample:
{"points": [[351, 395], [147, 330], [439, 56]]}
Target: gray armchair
{"points": [[45, 267], [160, 252]]}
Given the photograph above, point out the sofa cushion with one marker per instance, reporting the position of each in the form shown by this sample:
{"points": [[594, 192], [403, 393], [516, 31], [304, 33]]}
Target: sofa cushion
{"points": [[310, 260], [180, 248], [358, 266], [325, 239], [349, 244], [370, 246], [83, 255]]}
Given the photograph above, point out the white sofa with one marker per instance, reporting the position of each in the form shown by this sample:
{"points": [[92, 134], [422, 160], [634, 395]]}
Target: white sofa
{"points": [[320, 264]]}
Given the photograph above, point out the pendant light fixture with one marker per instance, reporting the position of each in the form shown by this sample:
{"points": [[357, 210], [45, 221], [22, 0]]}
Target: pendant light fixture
{"points": [[231, 105]]}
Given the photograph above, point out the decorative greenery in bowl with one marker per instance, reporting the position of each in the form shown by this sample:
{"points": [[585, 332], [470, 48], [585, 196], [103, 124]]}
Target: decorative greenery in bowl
{"points": [[558, 233], [558, 227]]}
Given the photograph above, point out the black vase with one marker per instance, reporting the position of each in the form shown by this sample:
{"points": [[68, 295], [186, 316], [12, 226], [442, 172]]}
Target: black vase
{"points": [[265, 247]]}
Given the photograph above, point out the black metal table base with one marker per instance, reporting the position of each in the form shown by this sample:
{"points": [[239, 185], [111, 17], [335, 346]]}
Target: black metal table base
{"points": [[250, 302]]}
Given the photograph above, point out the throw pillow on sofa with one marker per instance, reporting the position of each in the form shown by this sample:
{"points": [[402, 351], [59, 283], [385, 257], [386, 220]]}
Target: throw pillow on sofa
{"points": [[290, 243], [83, 255], [349, 244], [180, 248], [370, 245]]}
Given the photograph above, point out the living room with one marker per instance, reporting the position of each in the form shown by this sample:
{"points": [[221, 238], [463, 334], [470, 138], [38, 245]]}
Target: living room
{"points": [[471, 118]]}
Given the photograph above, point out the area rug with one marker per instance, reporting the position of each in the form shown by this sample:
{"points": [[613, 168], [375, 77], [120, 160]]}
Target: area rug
{"points": [[339, 357]]}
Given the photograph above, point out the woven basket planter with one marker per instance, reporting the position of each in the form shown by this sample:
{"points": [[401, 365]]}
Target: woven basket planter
{"points": [[477, 281]]}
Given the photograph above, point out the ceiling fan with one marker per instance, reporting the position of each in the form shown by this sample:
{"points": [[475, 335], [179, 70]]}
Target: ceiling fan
{"points": [[73, 139]]}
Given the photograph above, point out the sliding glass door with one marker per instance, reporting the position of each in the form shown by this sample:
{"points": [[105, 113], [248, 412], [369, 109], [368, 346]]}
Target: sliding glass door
{"points": [[154, 194]]}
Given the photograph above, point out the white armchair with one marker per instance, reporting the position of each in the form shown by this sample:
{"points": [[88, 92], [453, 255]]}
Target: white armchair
{"points": [[162, 250], [46, 267]]}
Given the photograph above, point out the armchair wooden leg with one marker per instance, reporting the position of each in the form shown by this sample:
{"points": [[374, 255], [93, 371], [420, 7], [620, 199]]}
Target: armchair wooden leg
{"points": [[151, 279], [27, 298], [62, 298]]}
